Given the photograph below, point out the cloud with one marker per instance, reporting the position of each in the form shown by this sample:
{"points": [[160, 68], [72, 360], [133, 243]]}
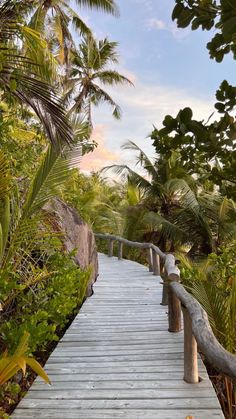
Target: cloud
{"points": [[156, 24], [143, 106], [101, 156], [146, 3], [160, 25]]}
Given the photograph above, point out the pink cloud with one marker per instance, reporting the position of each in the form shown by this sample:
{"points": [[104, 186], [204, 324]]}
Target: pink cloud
{"points": [[101, 156]]}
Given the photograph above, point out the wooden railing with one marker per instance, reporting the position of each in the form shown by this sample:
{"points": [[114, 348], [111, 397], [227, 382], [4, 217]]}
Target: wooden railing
{"points": [[197, 329]]}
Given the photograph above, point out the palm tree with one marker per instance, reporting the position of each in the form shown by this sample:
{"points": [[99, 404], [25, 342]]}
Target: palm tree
{"points": [[60, 16], [173, 210], [23, 78], [90, 71]]}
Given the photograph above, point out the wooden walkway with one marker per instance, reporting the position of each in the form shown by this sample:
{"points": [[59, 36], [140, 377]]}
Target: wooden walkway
{"points": [[117, 359]]}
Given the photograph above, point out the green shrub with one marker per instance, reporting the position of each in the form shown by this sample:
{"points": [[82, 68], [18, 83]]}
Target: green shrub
{"points": [[44, 308]]}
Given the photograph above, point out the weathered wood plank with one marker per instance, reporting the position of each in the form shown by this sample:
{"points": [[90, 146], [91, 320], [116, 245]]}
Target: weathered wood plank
{"points": [[117, 414], [121, 394], [115, 384], [107, 363], [118, 358], [73, 368], [74, 376], [170, 403]]}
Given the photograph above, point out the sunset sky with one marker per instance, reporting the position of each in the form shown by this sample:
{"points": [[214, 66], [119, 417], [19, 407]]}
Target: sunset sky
{"points": [[170, 68]]}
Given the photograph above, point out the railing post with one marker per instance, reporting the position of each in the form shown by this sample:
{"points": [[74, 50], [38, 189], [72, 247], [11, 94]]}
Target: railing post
{"points": [[190, 351], [120, 250], [155, 263], [174, 307], [149, 256], [110, 248], [164, 301]]}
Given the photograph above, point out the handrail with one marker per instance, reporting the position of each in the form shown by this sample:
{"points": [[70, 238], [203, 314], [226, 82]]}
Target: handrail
{"points": [[206, 340], [197, 329], [168, 259], [141, 245]]}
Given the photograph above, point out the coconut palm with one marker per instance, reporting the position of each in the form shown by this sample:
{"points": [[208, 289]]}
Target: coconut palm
{"points": [[60, 16], [173, 210], [90, 72], [23, 78], [163, 185]]}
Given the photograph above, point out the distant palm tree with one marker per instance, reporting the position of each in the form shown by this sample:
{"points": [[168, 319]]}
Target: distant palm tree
{"points": [[173, 210], [90, 70]]}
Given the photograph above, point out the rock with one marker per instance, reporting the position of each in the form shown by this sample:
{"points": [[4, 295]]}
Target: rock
{"points": [[77, 235]]}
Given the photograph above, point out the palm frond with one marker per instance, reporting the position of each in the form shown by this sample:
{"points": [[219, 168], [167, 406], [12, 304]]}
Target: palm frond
{"points": [[111, 77], [142, 158], [51, 174], [132, 176], [99, 95], [167, 230], [107, 53], [20, 77], [181, 189], [108, 6], [215, 304], [80, 26]]}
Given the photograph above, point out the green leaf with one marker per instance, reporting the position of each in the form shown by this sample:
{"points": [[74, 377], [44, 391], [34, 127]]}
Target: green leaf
{"points": [[185, 17], [36, 367], [229, 28], [185, 115], [177, 11], [220, 107], [13, 85], [170, 122], [197, 128]]}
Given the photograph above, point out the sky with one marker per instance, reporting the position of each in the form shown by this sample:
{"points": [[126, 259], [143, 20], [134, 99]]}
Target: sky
{"points": [[170, 69]]}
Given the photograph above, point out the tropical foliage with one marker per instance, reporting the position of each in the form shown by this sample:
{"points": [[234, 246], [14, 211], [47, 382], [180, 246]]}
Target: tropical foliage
{"points": [[213, 284], [208, 14], [9, 365], [59, 16], [27, 71]]}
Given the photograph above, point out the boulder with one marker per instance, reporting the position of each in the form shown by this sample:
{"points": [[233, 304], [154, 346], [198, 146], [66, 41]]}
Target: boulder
{"points": [[77, 235]]}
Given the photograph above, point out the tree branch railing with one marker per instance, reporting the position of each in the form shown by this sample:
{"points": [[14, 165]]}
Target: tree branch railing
{"points": [[197, 329]]}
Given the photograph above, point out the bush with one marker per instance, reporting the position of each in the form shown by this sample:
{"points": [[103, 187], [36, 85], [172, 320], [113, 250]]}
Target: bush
{"points": [[44, 308]]}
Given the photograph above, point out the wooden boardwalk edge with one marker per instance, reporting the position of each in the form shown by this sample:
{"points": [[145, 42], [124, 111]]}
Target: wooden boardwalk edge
{"points": [[118, 360]]}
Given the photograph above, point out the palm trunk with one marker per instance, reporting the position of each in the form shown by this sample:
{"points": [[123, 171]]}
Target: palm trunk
{"points": [[79, 100]]}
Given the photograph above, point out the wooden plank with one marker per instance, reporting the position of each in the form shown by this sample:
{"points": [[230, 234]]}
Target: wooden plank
{"points": [[120, 376], [108, 363], [121, 394], [161, 350], [115, 384], [116, 358], [73, 368], [121, 346], [109, 351], [171, 403], [117, 414]]}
